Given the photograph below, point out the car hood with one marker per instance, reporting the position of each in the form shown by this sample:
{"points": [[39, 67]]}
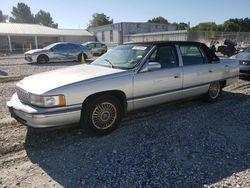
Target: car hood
{"points": [[243, 56], [44, 82], [35, 51]]}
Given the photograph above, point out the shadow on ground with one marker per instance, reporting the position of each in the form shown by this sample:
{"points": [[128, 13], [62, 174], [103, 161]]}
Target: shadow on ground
{"points": [[175, 145], [246, 78]]}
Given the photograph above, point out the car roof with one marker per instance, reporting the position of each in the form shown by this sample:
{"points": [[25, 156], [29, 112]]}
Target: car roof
{"points": [[92, 42], [66, 43], [164, 43]]}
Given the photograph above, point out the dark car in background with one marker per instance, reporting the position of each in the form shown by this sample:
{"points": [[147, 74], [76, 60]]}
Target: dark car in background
{"points": [[97, 48], [57, 52]]}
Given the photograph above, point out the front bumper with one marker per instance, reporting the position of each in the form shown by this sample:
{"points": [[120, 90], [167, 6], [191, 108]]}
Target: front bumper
{"points": [[28, 58], [37, 117], [244, 70]]}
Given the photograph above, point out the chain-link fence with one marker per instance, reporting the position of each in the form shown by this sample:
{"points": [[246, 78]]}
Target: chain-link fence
{"points": [[207, 37]]}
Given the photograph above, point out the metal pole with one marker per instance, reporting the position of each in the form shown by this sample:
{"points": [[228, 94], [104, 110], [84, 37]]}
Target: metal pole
{"points": [[10, 47], [36, 42]]}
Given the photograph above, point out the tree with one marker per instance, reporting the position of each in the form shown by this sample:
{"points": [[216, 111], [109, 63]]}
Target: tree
{"points": [[236, 24], [244, 25], [3, 17], [205, 26], [99, 20], [44, 18], [181, 26], [230, 25], [21, 14], [159, 20], [220, 27]]}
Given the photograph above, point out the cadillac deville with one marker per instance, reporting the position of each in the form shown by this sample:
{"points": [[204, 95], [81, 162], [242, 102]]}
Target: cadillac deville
{"points": [[128, 77]]}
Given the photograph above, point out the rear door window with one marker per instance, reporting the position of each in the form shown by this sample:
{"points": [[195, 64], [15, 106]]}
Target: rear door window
{"points": [[72, 47], [192, 55], [98, 45]]}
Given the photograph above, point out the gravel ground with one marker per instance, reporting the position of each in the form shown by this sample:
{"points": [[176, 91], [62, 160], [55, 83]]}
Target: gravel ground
{"points": [[185, 144]]}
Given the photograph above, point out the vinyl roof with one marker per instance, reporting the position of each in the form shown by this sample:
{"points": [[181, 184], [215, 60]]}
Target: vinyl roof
{"points": [[39, 30]]}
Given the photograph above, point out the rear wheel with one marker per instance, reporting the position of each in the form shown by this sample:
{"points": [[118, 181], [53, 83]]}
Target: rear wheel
{"points": [[42, 59], [214, 91], [101, 114]]}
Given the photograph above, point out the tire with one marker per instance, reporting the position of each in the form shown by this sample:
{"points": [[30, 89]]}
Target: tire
{"points": [[213, 92], [42, 59], [101, 114]]}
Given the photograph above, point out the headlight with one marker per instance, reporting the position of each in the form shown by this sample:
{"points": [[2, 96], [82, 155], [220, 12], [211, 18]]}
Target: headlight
{"points": [[47, 101]]}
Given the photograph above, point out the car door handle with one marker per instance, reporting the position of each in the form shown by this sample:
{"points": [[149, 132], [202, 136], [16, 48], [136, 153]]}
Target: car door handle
{"points": [[210, 71], [177, 75]]}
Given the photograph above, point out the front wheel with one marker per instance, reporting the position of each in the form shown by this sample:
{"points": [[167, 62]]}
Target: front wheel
{"points": [[42, 59], [214, 91], [101, 114]]}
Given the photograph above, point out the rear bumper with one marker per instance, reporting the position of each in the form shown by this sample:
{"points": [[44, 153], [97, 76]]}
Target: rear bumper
{"points": [[43, 117]]}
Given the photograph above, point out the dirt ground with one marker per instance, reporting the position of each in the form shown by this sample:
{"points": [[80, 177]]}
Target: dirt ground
{"points": [[182, 144]]}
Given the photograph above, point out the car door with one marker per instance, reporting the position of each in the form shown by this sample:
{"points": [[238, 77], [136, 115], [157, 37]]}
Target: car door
{"points": [[162, 85], [59, 52], [100, 48], [73, 50], [91, 46], [198, 72]]}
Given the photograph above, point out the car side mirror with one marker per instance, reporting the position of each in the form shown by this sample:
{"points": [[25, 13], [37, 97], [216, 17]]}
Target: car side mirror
{"points": [[52, 49], [151, 66]]}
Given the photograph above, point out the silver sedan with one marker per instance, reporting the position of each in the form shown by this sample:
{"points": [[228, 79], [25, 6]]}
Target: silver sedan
{"points": [[126, 78], [56, 52]]}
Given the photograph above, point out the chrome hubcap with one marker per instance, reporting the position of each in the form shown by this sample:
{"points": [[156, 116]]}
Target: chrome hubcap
{"points": [[214, 89], [104, 115]]}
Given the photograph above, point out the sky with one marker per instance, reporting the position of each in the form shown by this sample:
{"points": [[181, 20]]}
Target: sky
{"points": [[76, 14]]}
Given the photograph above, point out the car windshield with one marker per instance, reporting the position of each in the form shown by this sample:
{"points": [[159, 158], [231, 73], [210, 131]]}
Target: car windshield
{"points": [[122, 57]]}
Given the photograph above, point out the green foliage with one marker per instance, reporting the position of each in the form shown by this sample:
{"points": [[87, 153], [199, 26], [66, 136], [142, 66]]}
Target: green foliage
{"points": [[3, 17], [181, 26], [205, 26], [242, 25], [99, 20], [44, 18], [231, 25], [159, 20], [21, 14]]}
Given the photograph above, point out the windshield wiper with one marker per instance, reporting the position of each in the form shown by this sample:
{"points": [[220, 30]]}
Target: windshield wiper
{"points": [[112, 66]]}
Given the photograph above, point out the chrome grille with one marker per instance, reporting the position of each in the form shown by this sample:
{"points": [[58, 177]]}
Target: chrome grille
{"points": [[22, 95]]}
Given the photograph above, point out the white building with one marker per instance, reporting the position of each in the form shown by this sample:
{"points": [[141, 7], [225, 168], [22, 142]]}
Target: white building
{"points": [[16, 37], [114, 34]]}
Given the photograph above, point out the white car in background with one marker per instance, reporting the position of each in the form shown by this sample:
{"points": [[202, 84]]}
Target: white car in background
{"points": [[96, 47]]}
